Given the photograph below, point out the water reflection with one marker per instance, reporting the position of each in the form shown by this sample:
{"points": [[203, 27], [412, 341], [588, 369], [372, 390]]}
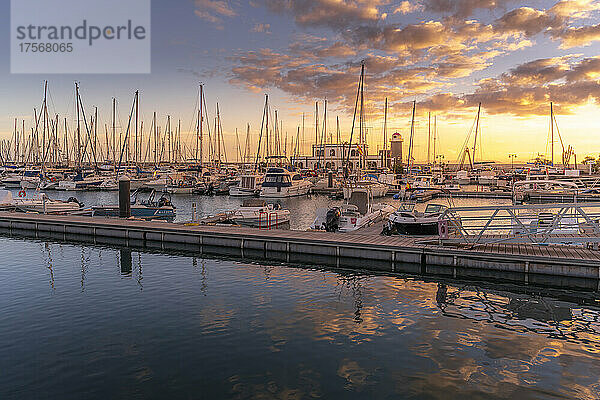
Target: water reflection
{"points": [[49, 262], [126, 262], [275, 331], [521, 313], [352, 283]]}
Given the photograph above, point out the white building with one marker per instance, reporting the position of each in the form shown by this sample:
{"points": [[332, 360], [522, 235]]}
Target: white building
{"points": [[334, 156]]}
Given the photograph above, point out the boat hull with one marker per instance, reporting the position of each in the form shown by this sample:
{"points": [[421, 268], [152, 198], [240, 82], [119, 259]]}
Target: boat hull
{"points": [[416, 229]]}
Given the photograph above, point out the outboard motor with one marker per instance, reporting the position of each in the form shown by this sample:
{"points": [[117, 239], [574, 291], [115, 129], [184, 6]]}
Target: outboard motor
{"points": [[74, 200], [332, 219]]}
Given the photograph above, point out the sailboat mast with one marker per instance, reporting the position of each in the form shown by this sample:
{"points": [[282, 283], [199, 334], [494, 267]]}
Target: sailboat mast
{"points": [[476, 132], [114, 133], [552, 130], [316, 130], [434, 136], [412, 132], [78, 128], [428, 137], [137, 112], [385, 111]]}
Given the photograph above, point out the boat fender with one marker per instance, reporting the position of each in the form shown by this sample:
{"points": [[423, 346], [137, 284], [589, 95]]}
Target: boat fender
{"points": [[22, 193]]}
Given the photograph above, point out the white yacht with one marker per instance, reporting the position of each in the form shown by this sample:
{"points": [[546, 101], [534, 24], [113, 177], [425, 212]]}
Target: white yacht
{"points": [[280, 183]]}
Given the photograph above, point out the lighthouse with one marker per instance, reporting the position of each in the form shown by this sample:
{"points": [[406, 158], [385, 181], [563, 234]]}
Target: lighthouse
{"points": [[396, 151]]}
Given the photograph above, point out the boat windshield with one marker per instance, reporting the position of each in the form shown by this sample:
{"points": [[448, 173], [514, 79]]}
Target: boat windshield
{"points": [[434, 208]]}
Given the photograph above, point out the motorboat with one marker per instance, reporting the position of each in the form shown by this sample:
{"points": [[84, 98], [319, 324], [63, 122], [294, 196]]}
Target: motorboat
{"points": [[248, 185], [257, 213], [109, 184], [463, 177], [544, 191], [406, 221], [79, 182], [180, 184], [157, 183], [375, 188], [358, 212], [30, 182], [281, 183], [487, 177], [12, 181], [425, 182], [149, 209], [451, 187], [327, 184], [38, 202]]}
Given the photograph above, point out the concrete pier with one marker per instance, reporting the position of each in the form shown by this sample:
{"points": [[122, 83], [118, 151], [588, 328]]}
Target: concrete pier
{"points": [[548, 265]]}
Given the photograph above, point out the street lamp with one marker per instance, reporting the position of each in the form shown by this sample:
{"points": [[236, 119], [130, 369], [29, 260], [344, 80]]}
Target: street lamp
{"points": [[512, 160], [441, 162]]}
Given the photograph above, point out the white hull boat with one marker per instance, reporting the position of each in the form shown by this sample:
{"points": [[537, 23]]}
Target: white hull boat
{"points": [[280, 183]]}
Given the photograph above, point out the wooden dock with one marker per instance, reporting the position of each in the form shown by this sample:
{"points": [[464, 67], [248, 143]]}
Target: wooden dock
{"points": [[364, 250]]}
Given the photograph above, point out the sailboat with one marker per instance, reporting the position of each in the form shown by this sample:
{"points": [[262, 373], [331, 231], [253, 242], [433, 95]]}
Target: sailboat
{"points": [[367, 182]]}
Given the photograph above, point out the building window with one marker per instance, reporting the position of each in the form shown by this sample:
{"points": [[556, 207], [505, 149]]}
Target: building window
{"points": [[332, 152], [353, 153]]}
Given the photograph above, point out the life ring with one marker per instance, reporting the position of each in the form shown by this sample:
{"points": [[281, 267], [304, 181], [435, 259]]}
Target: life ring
{"points": [[22, 193], [53, 179]]}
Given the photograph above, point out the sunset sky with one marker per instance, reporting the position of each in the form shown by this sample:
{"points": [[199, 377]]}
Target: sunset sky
{"points": [[512, 56]]}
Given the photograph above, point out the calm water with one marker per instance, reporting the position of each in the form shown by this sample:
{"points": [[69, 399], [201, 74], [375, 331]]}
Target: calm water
{"points": [[98, 323]]}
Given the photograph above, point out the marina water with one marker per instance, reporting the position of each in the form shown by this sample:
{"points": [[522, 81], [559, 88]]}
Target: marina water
{"points": [[97, 323]]}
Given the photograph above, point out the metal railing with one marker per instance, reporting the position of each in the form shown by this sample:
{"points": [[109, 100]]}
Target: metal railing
{"points": [[571, 223]]}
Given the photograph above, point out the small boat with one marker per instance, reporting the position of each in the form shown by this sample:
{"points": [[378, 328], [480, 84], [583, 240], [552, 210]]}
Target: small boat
{"points": [[407, 221], [30, 182], [358, 212], [150, 209], [425, 182], [257, 213], [109, 184], [451, 187], [39, 202], [12, 181], [48, 184]]}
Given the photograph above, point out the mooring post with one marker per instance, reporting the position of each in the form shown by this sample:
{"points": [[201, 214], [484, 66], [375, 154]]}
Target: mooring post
{"points": [[124, 198]]}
